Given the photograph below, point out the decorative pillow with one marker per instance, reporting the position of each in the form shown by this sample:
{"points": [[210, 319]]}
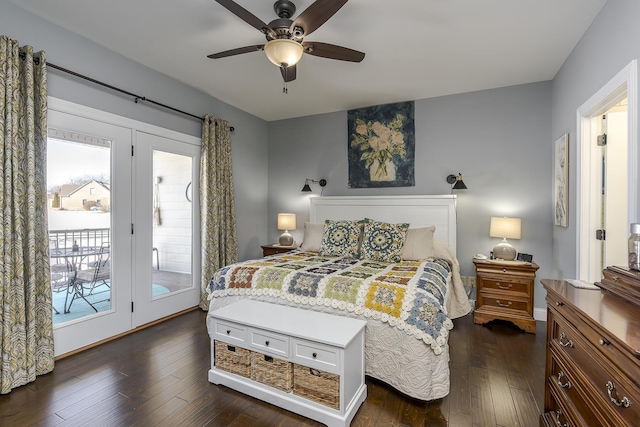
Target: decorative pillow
{"points": [[383, 241], [312, 237], [418, 244], [341, 238]]}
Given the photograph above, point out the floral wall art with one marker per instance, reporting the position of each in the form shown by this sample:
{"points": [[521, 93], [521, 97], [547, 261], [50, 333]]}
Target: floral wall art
{"points": [[561, 180], [382, 146]]}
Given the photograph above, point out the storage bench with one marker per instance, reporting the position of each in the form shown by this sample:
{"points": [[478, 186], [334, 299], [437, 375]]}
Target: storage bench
{"points": [[306, 362]]}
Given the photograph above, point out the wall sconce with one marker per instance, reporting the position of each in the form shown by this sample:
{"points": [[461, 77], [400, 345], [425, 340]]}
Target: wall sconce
{"points": [[505, 228], [286, 222], [456, 182], [307, 189]]}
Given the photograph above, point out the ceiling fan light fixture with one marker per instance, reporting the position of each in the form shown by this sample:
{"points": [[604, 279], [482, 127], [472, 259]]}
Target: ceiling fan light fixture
{"points": [[283, 52]]}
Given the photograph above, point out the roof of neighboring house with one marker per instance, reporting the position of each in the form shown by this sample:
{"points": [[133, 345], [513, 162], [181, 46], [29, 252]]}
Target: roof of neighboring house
{"points": [[68, 189]]}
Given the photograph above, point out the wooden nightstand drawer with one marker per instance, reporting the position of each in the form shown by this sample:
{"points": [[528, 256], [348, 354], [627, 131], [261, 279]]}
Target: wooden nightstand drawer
{"points": [[503, 303], [507, 285], [274, 249]]}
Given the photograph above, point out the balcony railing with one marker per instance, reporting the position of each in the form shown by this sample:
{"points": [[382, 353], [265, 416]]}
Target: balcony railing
{"points": [[88, 237]]}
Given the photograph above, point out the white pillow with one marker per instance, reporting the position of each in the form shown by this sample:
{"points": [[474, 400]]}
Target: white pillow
{"points": [[418, 244], [312, 237]]}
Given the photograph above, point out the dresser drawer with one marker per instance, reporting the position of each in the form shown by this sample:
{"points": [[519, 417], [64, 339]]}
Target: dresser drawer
{"points": [[567, 388], [229, 332], [316, 355], [269, 342]]}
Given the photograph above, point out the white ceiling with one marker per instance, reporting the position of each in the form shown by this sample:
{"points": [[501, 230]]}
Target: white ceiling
{"points": [[414, 48]]}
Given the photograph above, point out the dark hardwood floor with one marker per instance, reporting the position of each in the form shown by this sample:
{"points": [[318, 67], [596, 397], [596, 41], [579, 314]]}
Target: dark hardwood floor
{"points": [[158, 377]]}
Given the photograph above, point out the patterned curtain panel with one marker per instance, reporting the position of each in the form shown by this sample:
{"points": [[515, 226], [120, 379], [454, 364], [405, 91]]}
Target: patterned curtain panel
{"points": [[26, 339], [217, 206]]}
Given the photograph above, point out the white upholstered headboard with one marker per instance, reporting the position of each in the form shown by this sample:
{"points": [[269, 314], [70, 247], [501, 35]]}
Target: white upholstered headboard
{"points": [[419, 211]]}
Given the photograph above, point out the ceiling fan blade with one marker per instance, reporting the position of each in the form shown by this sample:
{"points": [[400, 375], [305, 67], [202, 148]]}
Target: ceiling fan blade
{"points": [[246, 16], [289, 73], [331, 51], [315, 15], [238, 51]]}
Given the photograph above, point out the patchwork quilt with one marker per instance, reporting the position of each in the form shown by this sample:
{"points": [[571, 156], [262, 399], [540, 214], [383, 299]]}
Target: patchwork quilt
{"points": [[409, 295]]}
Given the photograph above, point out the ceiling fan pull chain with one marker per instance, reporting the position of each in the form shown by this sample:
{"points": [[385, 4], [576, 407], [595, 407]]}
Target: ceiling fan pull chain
{"points": [[284, 73]]}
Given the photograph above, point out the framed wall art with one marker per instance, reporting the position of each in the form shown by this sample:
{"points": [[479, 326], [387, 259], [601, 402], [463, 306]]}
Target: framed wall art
{"points": [[381, 150], [561, 180]]}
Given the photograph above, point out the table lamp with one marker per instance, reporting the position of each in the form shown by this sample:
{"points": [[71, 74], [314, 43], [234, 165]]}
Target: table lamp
{"points": [[505, 228], [286, 222]]}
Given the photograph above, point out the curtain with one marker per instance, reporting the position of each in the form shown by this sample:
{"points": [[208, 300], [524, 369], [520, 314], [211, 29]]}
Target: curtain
{"points": [[26, 338], [217, 205]]}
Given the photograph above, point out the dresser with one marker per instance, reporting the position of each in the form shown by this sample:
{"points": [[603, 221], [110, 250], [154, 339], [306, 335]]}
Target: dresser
{"points": [[592, 357], [504, 290], [322, 356]]}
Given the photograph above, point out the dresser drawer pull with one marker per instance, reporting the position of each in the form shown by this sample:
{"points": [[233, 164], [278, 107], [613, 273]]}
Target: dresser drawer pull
{"points": [[228, 331], [266, 343], [614, 278], [314, 355], [504, 287], [558, 422], [565, 385], [625, 402], [564, 342], [603, 341], [503, 305], [559, 303]]}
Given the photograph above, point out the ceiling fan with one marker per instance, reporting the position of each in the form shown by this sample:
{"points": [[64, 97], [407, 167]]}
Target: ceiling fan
{"points": [[285, 44]]}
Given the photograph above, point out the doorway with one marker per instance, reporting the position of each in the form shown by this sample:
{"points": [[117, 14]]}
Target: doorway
{"points": [[607, 175], [112, 272]]}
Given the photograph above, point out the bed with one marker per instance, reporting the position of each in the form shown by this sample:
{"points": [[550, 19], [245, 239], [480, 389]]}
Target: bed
{"points": [[408, 294]]}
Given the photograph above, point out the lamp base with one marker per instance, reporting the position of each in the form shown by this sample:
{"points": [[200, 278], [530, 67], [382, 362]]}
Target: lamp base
{"points": [[505, 251], [286, 239]]}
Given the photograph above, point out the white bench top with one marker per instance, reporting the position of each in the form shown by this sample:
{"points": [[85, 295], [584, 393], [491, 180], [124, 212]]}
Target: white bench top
{"points": [[307, 324]]}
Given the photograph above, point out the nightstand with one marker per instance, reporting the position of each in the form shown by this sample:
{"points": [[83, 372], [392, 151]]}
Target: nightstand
{"points": [[505, 291], [275, 248]]}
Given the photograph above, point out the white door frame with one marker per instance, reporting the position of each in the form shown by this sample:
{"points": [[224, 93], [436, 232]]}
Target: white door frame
{"points": [[624, 84]]}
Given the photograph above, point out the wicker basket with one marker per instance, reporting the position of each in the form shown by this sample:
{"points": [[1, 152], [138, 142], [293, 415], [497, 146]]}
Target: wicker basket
{"points": [[272, 371], [233, 359], [319, 386]]}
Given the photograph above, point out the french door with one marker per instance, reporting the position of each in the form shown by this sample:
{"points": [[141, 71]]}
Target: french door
{"points": [[123, 223], [165, 227], [89, 311]]}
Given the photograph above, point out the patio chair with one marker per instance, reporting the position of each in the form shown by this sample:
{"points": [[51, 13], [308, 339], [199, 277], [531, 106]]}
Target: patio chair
{"points": [[86, 281]]}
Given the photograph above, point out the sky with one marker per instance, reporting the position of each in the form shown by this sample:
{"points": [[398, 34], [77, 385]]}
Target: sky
{"points": [[67, 160]]}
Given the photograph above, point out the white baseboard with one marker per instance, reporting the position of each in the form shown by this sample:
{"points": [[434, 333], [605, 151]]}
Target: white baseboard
{"points": [[540, 314]]}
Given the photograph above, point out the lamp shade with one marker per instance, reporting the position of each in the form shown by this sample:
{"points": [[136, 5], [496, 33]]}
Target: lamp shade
{"points": [[283, 52], [286, 221], [507, 228]]}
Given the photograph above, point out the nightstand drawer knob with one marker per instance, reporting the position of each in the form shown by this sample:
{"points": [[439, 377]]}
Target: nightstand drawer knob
{"points": [[498, 284], [315, 355], [559, 303], [564, 342], [602, 341], [228, 331], [266, 343], [625, 402]]}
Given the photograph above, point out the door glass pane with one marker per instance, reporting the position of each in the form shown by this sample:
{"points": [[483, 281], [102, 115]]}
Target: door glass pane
{"points": [[171, 262], [79, 200]]}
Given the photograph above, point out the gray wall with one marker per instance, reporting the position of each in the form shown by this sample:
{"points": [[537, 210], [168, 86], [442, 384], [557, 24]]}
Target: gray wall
{"points": [[249, 141], [612, 41], [499, 139]]}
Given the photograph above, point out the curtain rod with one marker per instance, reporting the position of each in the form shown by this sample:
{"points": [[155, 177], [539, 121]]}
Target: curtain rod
{"points": [[136, 97]]}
